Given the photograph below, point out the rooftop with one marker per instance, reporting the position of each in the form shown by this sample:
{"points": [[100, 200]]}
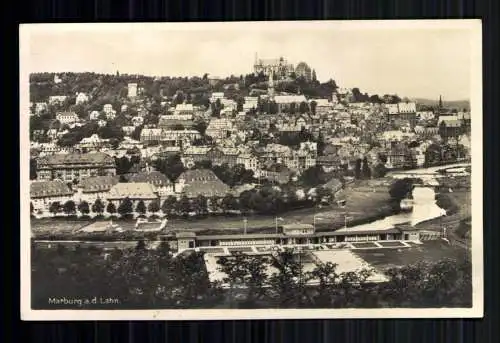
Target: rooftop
{"points": [[198, 175], [133, 190], [77, 158], [98, 183], [154, 177], [209, 188]]}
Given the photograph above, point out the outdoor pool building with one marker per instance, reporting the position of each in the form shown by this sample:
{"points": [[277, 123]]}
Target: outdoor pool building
{"points": [[291, 234]]}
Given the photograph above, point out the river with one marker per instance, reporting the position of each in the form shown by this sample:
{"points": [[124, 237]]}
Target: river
{"points": [[424, 208]]}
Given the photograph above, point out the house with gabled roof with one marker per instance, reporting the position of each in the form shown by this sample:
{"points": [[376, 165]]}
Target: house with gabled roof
{"points": [[92, 188], [44, 193], [193, 183], [160, 182], [134, 191]]}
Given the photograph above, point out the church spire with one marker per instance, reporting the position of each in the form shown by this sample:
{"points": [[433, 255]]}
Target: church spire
{"points": [[440, 102]]}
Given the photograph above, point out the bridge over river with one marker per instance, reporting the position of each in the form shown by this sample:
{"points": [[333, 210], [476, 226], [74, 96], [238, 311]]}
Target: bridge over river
{"points": [[427, 174]]}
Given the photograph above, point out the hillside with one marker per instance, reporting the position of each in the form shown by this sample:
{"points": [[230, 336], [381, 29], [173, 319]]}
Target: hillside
{"points": [[458, 104]]}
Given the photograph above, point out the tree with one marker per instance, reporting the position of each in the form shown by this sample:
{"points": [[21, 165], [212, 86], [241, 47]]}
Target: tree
{"points": [[69, 207], [379, 170], [111, 131], [313, 176], [240, 102], [323, 193], [375, 99], [365, 170], [399, 190], [303, 107], [382, 158], [111, 208], [123, 165], [126, 207], [84, 207], [247, 271], [445, 283], [213, 204], [314, 79], [357, 169], [141, 245], [229, 202], [171, 166], [321, 144], [31, 208], [273, 107], [183, 206], [433, 155], [141, 207], [55, 208], [136, 134], [313, 105], [154, 206], [244, 201], [286, 286], [201, 127], [200, 205], [32, 169], [169, 204], [98, 207], [325, 273]]}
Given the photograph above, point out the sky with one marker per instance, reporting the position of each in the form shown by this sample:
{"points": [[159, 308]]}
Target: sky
{"points": [[408, 60]]}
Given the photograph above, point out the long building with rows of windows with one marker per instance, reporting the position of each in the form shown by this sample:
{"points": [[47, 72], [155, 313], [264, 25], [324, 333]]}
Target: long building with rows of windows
{"points": [[74, 166], [290, 234]]}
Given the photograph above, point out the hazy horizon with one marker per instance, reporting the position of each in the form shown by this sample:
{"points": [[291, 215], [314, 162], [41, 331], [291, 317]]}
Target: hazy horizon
{"points": [[411, 62]]}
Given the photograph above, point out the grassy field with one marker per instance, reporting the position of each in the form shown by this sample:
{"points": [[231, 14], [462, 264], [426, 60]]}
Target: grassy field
{"points": [[49, 225], [430, 251], [366, 200]]}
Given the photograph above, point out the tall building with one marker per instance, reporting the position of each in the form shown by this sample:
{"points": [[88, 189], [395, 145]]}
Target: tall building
{"points": [[270, 85], [303, 70], [132, 90], [68, 167], [279, 66]]}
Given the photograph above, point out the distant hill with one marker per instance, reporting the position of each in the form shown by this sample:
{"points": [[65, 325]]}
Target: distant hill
{"points": [[458, 104]]}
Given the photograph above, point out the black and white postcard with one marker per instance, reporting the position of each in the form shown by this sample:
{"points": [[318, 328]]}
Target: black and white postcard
{"points": [[253, 170]]}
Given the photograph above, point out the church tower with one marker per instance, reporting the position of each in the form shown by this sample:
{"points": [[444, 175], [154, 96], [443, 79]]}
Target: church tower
{"points": [[270, 85]]}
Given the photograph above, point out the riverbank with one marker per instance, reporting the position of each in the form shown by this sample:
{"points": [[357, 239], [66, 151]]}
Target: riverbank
{"points": [[366, 201], [457, 203]]}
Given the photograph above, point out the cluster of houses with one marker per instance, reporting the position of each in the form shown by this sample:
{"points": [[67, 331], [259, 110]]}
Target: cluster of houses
{"points": [[234, 136]]}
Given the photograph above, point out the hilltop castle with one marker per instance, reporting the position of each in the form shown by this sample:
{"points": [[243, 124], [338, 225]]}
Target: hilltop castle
{"points": [[279, 67]]}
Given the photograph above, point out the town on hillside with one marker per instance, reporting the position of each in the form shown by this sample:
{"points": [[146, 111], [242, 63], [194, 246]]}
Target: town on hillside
{"points": [[222, 170]]}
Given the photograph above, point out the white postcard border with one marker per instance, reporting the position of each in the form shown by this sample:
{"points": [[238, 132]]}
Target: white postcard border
{"points": [[210, 314]]}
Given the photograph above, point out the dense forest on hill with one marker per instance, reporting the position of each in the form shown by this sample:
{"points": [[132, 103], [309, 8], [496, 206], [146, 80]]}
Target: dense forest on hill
{"points": [[109, 88]]}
